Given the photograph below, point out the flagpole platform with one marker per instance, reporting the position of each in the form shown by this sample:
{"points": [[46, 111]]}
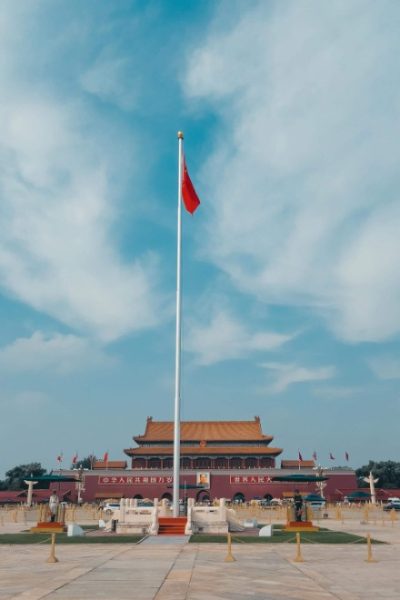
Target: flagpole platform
{"points": [[49, 527]]}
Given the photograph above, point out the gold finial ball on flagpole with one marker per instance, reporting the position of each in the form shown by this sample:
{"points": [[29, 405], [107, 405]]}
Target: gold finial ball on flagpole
{"points": [[180, 135]]}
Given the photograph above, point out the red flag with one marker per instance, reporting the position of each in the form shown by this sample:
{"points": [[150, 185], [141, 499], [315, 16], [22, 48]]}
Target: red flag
{"points": [[75, 458], [105, 457], [346, 454], [300, 456], [189, 195], [331, 456], [314, 455], [60, 458]]}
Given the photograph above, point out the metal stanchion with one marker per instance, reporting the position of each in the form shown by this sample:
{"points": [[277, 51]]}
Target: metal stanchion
{"points": [[299, 556], [369, 558], [52, 558], [393, 516], [229, 557]]}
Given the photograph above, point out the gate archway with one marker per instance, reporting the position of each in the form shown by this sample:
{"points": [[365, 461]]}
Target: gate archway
{"points": [[202, 496], [239, 497]]}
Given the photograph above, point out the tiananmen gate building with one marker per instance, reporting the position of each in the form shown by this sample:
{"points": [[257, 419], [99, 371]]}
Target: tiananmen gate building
{"points": [[219, 459]]}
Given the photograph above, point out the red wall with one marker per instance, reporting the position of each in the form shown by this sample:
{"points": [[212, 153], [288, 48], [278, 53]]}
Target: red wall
{"points": [[338, 485]]}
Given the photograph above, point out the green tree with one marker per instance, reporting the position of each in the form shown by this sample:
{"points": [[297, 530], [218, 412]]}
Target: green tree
{"points": [[387, 471], [15, 476]]}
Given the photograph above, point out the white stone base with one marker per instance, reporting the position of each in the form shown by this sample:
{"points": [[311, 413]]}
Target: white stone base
{"points": [[213, 528], [133, 528]]}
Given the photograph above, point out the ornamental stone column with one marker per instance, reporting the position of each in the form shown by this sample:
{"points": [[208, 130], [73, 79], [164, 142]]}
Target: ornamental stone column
{"points": [[30, 485]]}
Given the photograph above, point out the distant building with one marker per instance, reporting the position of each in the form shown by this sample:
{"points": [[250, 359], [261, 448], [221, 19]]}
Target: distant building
{"points": [[219, 459], [206, 445]]}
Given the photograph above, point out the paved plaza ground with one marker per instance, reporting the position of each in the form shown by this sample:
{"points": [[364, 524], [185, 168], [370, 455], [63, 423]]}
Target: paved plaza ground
{"points": [[171, 569]]}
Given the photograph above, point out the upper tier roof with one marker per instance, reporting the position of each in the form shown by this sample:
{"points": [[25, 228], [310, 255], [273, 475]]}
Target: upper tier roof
{"points": [[208, 431], [204, 451]]}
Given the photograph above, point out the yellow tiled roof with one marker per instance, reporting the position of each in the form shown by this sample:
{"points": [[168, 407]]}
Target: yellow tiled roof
{"points": [[230, 431], [203, 450], [111, 464]]}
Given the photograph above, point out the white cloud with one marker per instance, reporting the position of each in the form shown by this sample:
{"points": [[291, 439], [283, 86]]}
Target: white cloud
{"points": [[224, 337], [62, 170], [111, 79], [385, 367], [285, 375], [55, 353], [303, 186]]}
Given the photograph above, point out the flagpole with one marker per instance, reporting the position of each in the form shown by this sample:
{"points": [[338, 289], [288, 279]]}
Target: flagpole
{"points": [[177, 432]]}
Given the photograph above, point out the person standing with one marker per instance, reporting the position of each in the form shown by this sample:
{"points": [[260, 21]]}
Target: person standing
{"points": [[53, 506], [298, 505]]}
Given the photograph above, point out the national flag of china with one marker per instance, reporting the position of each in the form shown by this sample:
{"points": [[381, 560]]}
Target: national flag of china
{"points": [[189, 195], [105, 457], [75, 459], [59, 458], [300, 456]]}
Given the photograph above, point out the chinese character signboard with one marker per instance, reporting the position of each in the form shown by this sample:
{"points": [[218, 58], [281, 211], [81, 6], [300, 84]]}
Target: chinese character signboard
{"points": [[135, 480], [251, 479]]}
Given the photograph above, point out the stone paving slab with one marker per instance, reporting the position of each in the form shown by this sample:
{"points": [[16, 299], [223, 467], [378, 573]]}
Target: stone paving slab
{"points": [[175, 570]]}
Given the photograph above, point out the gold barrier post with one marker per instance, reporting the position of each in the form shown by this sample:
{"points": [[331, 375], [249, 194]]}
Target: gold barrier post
{"points": [[229, 557], [393, 516], [299, 556], [52, 558], [369, 558]]}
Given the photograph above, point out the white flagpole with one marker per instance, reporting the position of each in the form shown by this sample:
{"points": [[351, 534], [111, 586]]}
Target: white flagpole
{"points": [[177, 429]]}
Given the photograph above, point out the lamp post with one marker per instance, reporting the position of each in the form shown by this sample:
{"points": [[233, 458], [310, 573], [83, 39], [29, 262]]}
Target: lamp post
{"points": [[80, 486]]}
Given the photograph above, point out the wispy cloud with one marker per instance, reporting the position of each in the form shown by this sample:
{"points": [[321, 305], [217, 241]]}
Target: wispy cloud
{"points": [[51, 353], [62, 171], [226, 337], [303, 185], [285, 375], [385, 367]]}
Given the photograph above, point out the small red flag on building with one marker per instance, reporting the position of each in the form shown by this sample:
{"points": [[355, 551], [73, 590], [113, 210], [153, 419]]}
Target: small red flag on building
{"points": [[300, 456], [189, 195], [75, 458], [60, 458], [105, 457], [346, 454], [331, 456]]}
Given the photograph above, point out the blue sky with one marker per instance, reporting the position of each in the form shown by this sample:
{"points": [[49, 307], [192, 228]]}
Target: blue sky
{"points": [[291, 265]]}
